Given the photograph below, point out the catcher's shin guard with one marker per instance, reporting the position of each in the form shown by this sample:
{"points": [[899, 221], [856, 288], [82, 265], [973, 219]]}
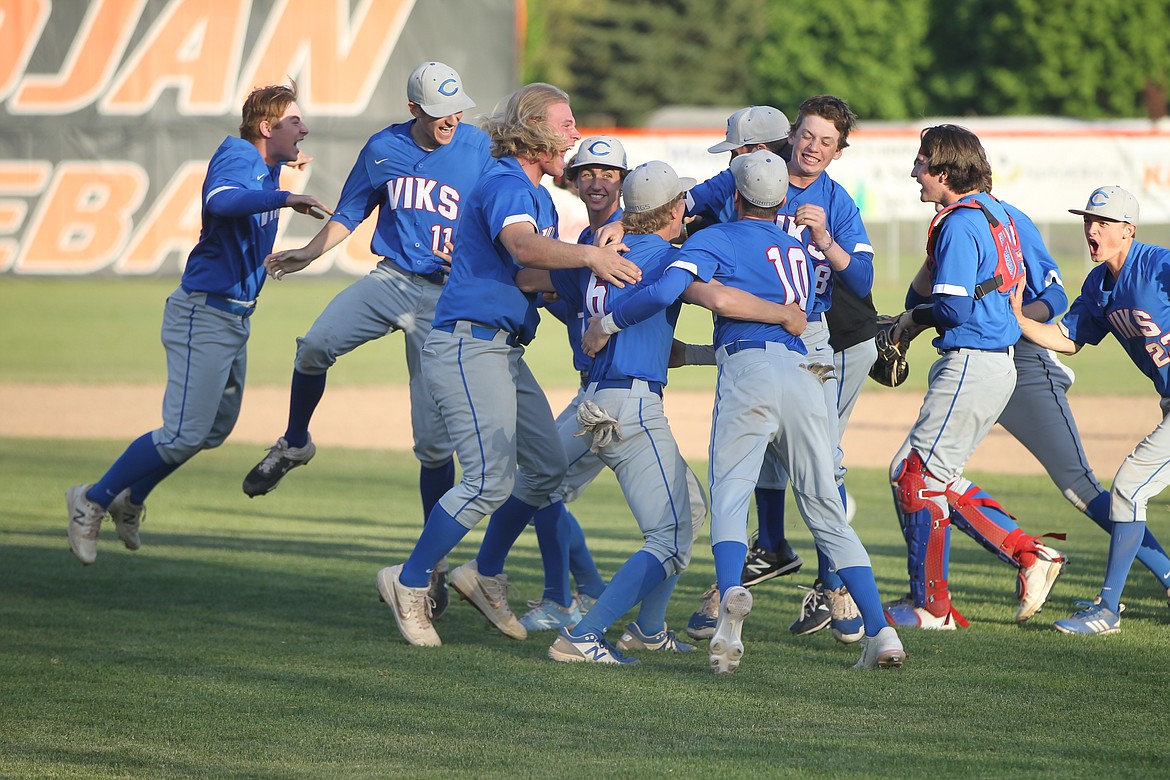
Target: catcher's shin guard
{"points": [[983, 519], [927, 533]]}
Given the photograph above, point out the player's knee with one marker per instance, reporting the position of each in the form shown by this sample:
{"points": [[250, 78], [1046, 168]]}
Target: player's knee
{"points": [[315, 353], [915, 488]]}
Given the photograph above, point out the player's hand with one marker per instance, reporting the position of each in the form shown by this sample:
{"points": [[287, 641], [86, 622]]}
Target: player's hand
{"points": [[595, 338], [906, 324], [307, 204], [609, 233], [813, 217], [608, 266], [1016, 296], [278, 264], [301, 161], [445, 255]]}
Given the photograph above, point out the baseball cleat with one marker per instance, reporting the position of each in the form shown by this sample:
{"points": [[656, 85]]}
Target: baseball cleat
{"points": [[665, 640], [591, 648], [909, 616], [85, 520], [438, 591], [547, 615], [726, 647], [702, 622], [846, 623], [762, 565], [883, 650], [490, 596], [814, 612], [411, 607], [1034, 583], [1095, 619], [585, 603], [280, 460], [127, 518]]}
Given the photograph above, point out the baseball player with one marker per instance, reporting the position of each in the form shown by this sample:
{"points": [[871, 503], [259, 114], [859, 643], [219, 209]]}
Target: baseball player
{"points": [[820, 214], [206, 321], [768, 395], [493, 408], [1122, 296], [417, 174], [973, 255]]}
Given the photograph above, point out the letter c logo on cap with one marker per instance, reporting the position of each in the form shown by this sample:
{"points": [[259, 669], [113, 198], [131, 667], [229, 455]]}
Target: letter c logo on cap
{"points": [[449, 87], [599, 148], [1098, 198]]}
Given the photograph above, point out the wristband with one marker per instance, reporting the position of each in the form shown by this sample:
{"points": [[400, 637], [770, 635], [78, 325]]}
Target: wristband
{"points": [[823, 249], [608, 325]]}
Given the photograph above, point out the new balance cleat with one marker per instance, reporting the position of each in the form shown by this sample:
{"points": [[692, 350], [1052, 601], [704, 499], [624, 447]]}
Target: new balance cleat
{"points": [[411, 607], [1095, 619], [590, 648], [280, 460], [814, 612], [665, 640], [726, 647], [846, 623], [85, 521], [127, 518], [547, 615], [762, 565], [919, 617], [883, 650], [702, 622], [490, 596], [585, 603], [1034, 583], [438, 591]]}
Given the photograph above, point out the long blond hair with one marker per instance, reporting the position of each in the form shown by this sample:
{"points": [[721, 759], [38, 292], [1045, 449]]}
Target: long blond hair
{"points": [[518, 126]]}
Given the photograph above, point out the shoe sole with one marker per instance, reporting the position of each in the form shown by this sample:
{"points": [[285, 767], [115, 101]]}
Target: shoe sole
{"points": [[848, 639], [726, 648], [791, 568], [386, 593], [470, 592], [1070, 632], [892, 659], [1022, 616], [263, 491]]}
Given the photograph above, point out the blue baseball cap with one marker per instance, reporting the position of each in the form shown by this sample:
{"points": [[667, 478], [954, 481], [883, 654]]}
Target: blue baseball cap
{"points": [[437, 89]]}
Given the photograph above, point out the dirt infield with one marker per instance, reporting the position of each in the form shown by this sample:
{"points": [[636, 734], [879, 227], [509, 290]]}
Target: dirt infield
{"points": [[379, 417]]}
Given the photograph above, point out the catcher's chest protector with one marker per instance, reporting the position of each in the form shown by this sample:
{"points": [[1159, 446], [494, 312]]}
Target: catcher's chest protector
{"points": [[1009, 258]]}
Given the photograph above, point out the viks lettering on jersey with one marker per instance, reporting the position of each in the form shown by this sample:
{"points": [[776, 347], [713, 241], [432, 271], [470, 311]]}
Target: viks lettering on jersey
{"points": [[415, 192], [1135, 324]]}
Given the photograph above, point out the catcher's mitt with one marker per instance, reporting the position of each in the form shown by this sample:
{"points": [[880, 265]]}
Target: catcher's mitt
{"points": [[890, 368]]}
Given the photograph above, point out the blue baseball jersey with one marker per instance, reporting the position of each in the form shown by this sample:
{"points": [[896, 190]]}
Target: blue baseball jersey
{"points": [[1133, 307], [642, 350], [965, 255], [482, 287], [758, 257], [713, 200], [574, 319], [241, 204], [418, 193], [1043, 275]]}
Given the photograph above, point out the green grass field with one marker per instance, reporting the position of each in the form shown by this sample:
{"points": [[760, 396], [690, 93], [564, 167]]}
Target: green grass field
{"points": [[246, 638]]}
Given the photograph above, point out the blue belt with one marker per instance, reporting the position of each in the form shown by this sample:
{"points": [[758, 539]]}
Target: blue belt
{"points": [[434, 277], [482, 332], [740, 346], [997, 350], [242, 309], [626, 384]]}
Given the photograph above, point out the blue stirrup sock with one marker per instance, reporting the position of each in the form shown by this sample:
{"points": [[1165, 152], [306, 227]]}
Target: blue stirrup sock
{"points": [[769, 518], [1123, 546], [1151, 554], [553, 536], [439, 536], [581, 563], [503, 529], [637, 577], [433, 483], [862, 587], [138, 462], [652, 614], [729, 558], [304, 396]]}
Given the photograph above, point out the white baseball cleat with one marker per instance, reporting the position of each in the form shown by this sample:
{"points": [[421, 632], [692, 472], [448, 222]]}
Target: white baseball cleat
{"points": [[1035, 582], [490, 596], [85, 521], [127, 518], [411, 607], [726, 647], [883, 650]]}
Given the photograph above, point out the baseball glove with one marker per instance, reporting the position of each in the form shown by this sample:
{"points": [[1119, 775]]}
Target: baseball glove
{"points": [[890, 368]]}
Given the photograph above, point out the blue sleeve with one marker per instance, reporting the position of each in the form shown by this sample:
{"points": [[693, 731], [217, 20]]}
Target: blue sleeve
{"points": [[653, 298], [849, 231], [358, 198], [558, 308], [569, 286], [951, 311], [708, 198], [241, 202], [857, 276]]}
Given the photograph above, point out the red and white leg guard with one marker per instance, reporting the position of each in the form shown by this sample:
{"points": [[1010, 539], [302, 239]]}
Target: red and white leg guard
{"points": [[927, 533], [986, 521]]}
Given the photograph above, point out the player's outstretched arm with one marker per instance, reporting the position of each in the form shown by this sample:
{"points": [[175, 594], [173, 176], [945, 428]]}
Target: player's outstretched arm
{"points": [[1047, 335], [534, 280], [307, 204], [532, 250], [292, 260], [741, 305]]}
